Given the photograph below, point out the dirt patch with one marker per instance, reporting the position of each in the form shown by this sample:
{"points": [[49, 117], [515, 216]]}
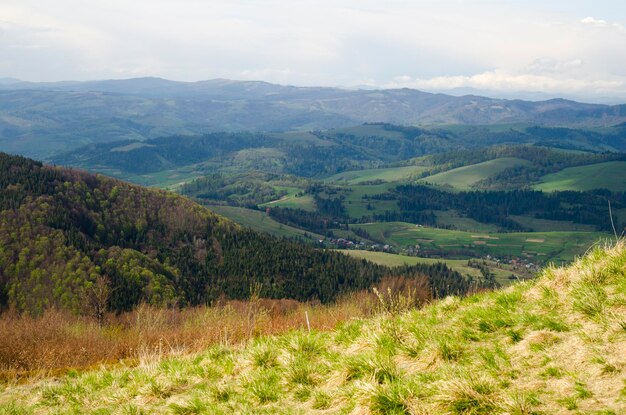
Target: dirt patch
{"points": [[480, 243], [537, 241], [485, 237]]}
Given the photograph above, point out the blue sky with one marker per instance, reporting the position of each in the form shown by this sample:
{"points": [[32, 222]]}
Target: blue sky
{"points": [[508, 48]]}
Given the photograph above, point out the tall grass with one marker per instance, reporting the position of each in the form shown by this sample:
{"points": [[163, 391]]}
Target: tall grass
{"points": [[59, 341]]}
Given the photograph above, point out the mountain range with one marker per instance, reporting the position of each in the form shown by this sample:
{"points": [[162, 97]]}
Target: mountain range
{"points": [[42, 119]]}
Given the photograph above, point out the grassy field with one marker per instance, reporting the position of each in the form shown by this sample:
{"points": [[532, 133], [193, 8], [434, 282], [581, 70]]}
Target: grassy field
{"points": [[460, 265], [391, 174], [260, 222], [452, 218], [539, 247], [610, 175], [356, 206], [292, 200], [545, 225], [554, 345], [463, 178]]}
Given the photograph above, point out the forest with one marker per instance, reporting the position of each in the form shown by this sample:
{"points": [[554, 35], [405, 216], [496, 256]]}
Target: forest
{"points": [[88, 244]]}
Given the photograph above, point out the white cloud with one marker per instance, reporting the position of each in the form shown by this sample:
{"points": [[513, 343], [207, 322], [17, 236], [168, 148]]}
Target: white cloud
{"points": [[602, 24], [502, 82], [596, 22]]}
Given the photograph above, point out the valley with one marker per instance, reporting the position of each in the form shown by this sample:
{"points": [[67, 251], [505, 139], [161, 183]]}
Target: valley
{"points": [[312, 207], [429, 193]]}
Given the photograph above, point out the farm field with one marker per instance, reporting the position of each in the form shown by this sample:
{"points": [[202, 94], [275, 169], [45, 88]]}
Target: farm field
{"points": [[460, 265], [259, 221], [390, 174], [539, 247], [357, 207], [168, 179], [610, 175], [545, 225], [452, 218], [292, 200], [462, 178]]}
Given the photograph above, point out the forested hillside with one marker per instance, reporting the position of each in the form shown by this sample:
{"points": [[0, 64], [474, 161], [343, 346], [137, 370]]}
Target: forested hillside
{"points": [[322, 153], [82, 242]]}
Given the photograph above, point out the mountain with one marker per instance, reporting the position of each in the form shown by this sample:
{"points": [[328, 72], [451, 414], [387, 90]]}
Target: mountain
{"points": [[554, 345], [9, 81], [67, 236], [39, 119], [324, 152]]}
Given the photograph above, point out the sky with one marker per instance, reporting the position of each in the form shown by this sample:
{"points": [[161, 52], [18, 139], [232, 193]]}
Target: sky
{"points": [[569, 48]]}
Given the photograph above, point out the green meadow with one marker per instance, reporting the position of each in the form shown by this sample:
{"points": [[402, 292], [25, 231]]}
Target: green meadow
{"points": [[610, 175], [462, 178], [391, 174], [259, 221]]}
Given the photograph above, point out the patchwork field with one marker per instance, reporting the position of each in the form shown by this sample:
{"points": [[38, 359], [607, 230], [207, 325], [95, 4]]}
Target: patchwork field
{"points": [[539, 247]]}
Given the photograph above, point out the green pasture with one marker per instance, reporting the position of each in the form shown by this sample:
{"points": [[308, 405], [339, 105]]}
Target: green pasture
{"points": [[356, 206], [610, 175], [166, 179], [545, 225], [452, 218], [391, 174], [259, 221], [292, 199], [462, 178]]}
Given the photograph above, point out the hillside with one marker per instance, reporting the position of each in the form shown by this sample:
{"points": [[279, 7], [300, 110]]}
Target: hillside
{"points": [[609, 175], [39, 119], [467, 176], [83, 242], [325, 153], [552, 345]]}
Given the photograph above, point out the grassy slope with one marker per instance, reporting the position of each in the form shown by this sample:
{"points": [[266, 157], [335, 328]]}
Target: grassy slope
{"points": [[291, 200], [260, 222], [553, 345], [387, 174], [356, 206], [610, 175], [463, 178]]}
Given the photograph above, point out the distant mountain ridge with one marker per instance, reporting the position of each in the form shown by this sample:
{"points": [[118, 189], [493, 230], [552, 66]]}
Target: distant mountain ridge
{"points": [[39, 119]]}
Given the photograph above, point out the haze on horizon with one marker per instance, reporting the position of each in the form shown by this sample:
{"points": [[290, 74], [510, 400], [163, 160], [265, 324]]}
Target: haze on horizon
{"points": [[511, 48]]}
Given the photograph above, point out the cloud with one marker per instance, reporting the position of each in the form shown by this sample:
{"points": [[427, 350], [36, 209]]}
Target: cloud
{"points": [[502, 81], [596, 22], [591, 21]]}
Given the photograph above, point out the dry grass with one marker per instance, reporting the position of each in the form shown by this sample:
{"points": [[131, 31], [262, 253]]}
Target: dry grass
{"points": [[59, 341], [556, 345]]}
